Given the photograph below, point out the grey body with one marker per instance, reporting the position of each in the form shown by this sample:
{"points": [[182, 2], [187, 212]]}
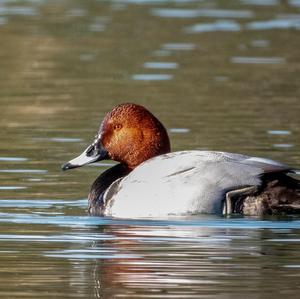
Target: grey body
{"points": [[185, 182]]}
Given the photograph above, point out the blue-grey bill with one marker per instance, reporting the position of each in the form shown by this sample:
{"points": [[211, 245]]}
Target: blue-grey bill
{"points": [[90, 155]]}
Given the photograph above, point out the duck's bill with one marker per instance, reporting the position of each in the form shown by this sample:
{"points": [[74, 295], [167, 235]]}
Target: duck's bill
{"points": [[92, 154]]}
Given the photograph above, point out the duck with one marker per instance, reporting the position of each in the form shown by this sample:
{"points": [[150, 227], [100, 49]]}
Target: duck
{"points": [[151, 181]]}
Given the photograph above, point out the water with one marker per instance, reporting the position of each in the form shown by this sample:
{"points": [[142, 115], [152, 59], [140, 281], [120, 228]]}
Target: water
{"points": [[221, 75]]}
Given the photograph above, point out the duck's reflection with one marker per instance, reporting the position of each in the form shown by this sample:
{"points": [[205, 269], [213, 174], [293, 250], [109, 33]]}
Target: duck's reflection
{"points": [[159, 262]]}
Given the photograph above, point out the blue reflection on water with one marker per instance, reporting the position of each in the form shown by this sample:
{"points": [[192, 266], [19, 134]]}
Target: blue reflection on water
{"points": [[154, 1], [260, 2], [222, 25], [294, 3], [283, 145], [63, 139], [41, 203], [279, 132], [161, 65], [152, 77], [13, 159], [12, 187], [193, 13], [179, 130], [23, 171], [209, 221], [289, 23], [18, 11], [258, 60], [58, 139], [178, 46]]}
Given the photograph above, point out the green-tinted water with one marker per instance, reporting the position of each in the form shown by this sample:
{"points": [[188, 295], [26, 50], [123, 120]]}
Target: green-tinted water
{"points": [[221, 75]]}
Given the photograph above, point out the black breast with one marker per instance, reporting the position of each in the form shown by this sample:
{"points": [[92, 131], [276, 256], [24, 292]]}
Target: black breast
{"points": [[100, 185]]}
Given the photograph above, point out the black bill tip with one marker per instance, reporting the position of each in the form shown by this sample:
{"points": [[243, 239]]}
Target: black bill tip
{"points": [[91, 154], [67, 166]]}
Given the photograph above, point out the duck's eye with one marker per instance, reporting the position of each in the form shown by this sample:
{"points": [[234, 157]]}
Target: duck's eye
{"points": [[117, 126]]}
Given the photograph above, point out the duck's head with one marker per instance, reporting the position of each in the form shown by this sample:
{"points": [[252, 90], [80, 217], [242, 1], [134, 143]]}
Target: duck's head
{"points": [[129, 134]]}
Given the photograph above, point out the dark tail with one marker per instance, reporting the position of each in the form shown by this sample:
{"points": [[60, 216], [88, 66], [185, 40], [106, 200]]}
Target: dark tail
{"points": [[279, 194]]}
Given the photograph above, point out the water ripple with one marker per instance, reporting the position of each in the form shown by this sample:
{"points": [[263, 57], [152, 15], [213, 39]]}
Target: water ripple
{"points": [[202, 221], [260, 2], [63, 139], [41, 203], [258, 60], [12, 187], [13, 159], [152, 77], [161, 65], [23, 171], [178, 46], [288, 23], [193, 13], [96, 253], [154, 1], [279, 132], [295, 3], [179, 130], [283, 145], [18, 11], [222, 25]]}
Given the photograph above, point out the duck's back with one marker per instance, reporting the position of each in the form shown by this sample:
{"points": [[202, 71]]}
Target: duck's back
{"points": [[185, 182]]}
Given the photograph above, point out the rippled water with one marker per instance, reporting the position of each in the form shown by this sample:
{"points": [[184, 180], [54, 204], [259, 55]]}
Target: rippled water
{"points": [[221, 75]]}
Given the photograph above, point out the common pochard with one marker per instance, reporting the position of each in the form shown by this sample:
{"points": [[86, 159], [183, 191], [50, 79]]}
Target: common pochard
{"points": [[152, 181]]}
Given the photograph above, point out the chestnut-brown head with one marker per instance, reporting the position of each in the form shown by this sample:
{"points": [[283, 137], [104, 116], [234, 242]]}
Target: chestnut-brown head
{"points": [[129, 134]]}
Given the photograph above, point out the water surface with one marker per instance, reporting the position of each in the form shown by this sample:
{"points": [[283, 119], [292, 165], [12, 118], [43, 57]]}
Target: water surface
{"points": [[221, 75]]}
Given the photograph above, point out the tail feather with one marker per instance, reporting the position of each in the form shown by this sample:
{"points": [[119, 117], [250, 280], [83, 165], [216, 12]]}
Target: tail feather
{"points": [[279, 194]]}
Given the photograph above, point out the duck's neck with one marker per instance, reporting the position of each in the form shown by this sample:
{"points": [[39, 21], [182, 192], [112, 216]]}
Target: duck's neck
{"points": [[100, 185]]}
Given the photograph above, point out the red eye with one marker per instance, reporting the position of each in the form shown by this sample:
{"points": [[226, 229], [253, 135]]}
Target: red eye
{"points": [[117, 126]]}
